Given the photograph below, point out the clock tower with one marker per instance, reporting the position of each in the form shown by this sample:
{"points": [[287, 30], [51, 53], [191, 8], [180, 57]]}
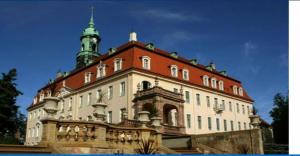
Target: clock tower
{"points": [[89, 49]]}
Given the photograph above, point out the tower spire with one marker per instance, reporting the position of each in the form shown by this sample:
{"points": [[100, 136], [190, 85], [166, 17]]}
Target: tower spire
{"points": [[91, 23]]}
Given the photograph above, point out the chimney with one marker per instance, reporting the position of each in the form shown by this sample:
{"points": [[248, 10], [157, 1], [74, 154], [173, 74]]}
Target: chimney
{"points": [[132, 37]]}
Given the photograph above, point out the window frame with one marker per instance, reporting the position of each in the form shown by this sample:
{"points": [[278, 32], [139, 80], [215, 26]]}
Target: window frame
{"points": [[176, 71], [144, 58], [185, 74], [118, 61]]}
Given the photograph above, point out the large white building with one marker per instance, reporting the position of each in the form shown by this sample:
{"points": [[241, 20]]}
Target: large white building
{"points": [[213, 101]]}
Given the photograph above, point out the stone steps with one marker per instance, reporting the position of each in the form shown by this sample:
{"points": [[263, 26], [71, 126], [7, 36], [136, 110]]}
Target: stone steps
{"points": [[24, 149]]}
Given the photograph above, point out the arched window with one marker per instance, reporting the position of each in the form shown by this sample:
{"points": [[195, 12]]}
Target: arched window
{"points": [[146, 85], [205, 80], [213, 82], [241, 91], [146, 62], [185, 74], [117, 64], [221, 85], [234, 89], [174, 71]]}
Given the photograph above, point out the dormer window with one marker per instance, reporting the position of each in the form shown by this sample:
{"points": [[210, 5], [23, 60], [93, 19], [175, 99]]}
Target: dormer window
{"points": [[213, 82], [146, 62], [241, 91], [101, 72], [87, 77], [117, 64], [205, 80], [42, 97], [34, 100], [174, 71], [221, 85], [185, 74], [234, 89]]}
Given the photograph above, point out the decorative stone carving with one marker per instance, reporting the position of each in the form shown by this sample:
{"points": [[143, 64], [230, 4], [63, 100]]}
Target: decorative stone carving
{"points": [[255, 121], [144, 117], [155, 121], [51, 106], [99, 111]]}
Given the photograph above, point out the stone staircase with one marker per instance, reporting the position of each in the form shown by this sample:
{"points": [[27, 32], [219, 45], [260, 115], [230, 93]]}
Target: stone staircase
{"points": [[15, 149], [270, 148], [185, 150]]}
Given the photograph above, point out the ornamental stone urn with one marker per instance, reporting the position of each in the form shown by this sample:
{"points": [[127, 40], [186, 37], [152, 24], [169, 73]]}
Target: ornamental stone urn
{"points": [[155, 122], [50, 106], [143, 117], [99, 111], [255, 121]]}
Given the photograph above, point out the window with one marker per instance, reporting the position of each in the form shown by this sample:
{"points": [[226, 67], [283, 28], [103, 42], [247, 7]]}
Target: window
{"points": [[230, 106], [70, 103], [188, 122], [187, 96], [237, 108], [225, 125], [209, 123], [117, 64], [146, 85], [221, 85], [174, 71], [109, 117], [248, 110], [231, 125], [213, 82], [241, 91], [62, 106], [223, 104], [208, 101], [175, 90], [80, 101], [205, 80], [146, 62], [245, 126], [218, 124], [199, 122], [185, 74], [122, 113], [243, 109], [87, 77], [239, 124], [101, 72], [198, 99], [122, 88], [41, 97], [216, 103], [110, 92], [234, 89], [89, 99], [99, 93]]}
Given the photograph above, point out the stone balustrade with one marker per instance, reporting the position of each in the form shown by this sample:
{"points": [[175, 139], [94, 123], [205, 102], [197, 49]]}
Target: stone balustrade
{"points": [[95, 134]]}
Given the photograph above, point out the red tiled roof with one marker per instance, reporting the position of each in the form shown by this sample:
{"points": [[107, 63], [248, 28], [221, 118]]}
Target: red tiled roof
{"points": [[160, 64]]}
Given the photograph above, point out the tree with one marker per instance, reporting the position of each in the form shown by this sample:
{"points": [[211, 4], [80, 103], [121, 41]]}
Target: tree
{"points": [[280, 115], [11, 120]]}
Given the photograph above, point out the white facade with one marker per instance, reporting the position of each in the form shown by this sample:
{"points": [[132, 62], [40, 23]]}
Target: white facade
{"points": [[195, 115]]}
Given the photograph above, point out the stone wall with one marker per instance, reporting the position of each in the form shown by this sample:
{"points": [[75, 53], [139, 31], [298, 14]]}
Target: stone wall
{"points": [[242, 142]]}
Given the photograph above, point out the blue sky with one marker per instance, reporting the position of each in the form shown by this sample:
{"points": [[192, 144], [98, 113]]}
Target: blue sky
{"points": [[248, 39]]}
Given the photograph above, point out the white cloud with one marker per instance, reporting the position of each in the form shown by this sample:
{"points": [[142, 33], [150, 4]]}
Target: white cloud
{"points": [[167, 15], [248, 48]]}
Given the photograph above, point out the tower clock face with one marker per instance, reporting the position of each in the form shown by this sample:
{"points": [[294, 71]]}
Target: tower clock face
{"points": [[94, 40]]}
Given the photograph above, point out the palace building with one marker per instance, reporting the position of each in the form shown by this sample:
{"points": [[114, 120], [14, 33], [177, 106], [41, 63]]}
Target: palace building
{"points": [[189, 97]]}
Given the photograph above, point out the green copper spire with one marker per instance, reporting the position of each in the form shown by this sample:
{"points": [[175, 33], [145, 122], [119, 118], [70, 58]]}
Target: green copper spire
{"points": [[91, 23], [89, 44]]}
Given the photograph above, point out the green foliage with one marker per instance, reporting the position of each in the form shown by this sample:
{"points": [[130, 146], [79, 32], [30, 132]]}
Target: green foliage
{"points": [[146, 147], [11, 121], [280, 115]]}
